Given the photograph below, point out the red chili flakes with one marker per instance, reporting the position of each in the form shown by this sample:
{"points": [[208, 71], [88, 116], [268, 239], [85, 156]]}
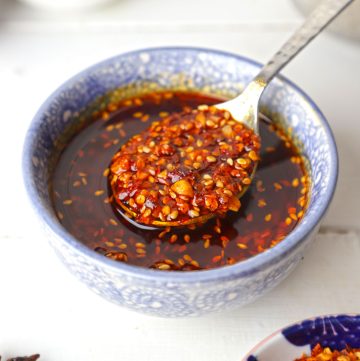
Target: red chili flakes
{"points": [[250, 217], [184, 166], [319, 353]]}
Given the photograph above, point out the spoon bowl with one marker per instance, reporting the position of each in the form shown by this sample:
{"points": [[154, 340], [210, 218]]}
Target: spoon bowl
{"points": [[128, 214]]}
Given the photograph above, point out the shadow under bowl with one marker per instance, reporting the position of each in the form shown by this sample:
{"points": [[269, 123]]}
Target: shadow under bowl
{"points": [[177, 294]]}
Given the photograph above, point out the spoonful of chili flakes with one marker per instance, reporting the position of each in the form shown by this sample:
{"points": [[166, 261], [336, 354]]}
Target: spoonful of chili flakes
{"points": [[185, 168], [191, 166]]}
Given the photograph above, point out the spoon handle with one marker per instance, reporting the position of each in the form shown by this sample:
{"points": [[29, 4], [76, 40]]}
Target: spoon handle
{"points": [[327, 11]]}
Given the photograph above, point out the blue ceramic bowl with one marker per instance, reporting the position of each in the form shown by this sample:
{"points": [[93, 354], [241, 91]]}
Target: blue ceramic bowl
{"points": [[175, 294], [336, 332]]}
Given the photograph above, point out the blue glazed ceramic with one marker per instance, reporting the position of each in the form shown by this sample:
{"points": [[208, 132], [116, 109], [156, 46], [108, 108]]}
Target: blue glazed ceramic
{"points": [[176, 294], [288, 344]]}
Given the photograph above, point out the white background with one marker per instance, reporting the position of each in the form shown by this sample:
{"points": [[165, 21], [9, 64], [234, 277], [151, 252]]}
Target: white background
{"points": [[42, 307]]}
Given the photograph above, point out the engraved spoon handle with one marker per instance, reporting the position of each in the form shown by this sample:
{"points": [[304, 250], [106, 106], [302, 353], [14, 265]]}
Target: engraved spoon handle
{"points": [[314, 24], [244, 107]]}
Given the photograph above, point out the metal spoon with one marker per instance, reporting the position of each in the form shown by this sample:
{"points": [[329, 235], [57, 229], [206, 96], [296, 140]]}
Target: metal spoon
{"points": [[244, 108]]}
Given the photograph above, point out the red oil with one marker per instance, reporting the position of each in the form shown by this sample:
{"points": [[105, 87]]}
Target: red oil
{"points": [[271, 207]]}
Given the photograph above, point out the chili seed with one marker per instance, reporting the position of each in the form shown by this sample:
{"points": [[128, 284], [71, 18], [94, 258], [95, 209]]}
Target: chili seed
{"points": [[193, 213], [113, 222], [278, 186], [163, 266], [261, 203], [173, 238], [230, 161], [242, 245], [211, 159], [295, 182], [268, 217], [138, 115]]}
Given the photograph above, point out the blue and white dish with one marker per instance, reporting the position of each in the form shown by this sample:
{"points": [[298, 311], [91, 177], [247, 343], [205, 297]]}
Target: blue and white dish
{"points": [[336, 332], [177, 294]]}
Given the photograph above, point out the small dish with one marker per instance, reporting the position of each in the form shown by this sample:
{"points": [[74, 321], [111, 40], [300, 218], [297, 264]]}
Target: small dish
{"points": [[334, 331]]}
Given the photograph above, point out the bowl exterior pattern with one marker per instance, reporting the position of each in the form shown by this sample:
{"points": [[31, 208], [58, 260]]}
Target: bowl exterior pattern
{"points": [[337, 332], [169, 298], [175, 295]]}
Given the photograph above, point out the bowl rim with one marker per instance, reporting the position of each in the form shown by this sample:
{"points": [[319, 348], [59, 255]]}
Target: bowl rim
{"points": [[272, 337], [240, 269]]}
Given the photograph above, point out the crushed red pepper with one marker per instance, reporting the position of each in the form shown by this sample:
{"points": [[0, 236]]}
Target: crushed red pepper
{"points": [[319, 353], [271, 208], [185, 166]]}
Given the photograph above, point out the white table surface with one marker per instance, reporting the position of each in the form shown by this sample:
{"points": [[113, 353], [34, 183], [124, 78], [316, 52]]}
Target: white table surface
{"points": [[42, 307]]}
